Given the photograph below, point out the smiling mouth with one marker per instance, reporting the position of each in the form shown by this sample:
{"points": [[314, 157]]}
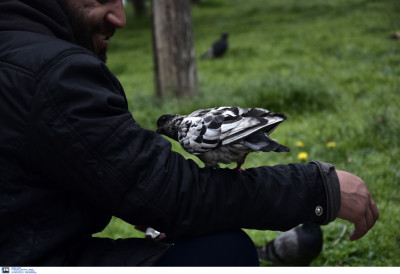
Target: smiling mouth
{"points": [[101, 41]]}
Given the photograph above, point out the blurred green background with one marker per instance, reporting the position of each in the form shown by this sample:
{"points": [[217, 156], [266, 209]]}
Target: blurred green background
{"points": [[331, 66]]}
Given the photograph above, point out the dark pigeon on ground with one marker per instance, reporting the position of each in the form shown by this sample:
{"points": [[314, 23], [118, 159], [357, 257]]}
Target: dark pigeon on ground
{"points": [[223, 134], [296, 247], [217, 49]]}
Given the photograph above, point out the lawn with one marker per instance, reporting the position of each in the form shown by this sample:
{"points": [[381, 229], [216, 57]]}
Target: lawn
{"points": [[331, 66]]}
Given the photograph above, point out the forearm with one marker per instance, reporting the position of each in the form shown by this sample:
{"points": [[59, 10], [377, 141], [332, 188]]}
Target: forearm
{"points": [[184, 200]]}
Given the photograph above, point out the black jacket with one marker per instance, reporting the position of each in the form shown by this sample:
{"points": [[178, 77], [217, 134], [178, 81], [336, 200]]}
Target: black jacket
{"points": [[72, 156]]}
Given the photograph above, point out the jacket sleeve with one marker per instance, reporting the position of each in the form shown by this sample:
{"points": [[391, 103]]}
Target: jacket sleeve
{"points": [[92, 148]]}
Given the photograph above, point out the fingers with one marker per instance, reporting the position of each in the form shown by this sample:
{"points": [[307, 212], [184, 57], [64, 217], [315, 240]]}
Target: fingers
{"points": [[370, 217], [360, 229], [144, 229], [374, 209]]}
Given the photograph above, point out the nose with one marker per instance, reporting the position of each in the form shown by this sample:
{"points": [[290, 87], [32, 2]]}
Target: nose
{"points": [[116, 14]]}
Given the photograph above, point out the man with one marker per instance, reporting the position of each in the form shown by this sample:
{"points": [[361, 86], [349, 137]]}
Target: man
{"points": [[72, 156]]}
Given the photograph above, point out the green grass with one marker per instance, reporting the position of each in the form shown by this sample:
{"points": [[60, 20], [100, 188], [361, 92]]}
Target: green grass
{"points": [[329, 65]]}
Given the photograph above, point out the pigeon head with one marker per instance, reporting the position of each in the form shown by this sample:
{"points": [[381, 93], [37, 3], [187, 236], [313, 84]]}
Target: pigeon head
{"points": [[225, 35], [168, 125]]}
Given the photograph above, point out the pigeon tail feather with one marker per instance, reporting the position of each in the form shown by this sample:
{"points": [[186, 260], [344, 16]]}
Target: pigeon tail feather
{"points": [[262, 142]]}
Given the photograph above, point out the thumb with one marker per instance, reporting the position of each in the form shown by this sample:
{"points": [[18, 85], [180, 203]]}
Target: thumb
{"points": [[360, 229]]}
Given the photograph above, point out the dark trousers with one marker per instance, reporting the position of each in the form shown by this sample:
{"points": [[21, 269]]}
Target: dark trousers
{"points": [[231, 248]]}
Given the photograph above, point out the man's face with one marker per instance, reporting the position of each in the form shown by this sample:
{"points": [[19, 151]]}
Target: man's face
{"points": [[94, 22]]}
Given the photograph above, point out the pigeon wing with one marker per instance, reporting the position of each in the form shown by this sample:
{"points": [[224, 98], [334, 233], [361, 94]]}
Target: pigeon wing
{"points": [[200, 134], [208, 129], [219, 48], [241, 122]]}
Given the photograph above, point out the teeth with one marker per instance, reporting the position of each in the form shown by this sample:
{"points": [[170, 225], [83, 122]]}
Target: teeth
{"points": [[103, 36]]}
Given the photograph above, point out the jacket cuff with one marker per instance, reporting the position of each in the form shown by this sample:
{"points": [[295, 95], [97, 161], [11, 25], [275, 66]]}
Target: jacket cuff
{"points": [[332, 190]]}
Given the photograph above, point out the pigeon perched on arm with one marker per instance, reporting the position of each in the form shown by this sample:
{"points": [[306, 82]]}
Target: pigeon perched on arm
{"points": [[223, 134], [218, 48], [296, 247]]}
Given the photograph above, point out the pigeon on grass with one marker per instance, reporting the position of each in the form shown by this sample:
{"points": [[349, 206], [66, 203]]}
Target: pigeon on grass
{"points": [[218, 48], [296, 247], [223, 134]]}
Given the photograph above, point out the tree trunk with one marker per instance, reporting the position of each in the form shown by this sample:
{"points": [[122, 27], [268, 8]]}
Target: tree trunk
{"points": [[173, 49]]}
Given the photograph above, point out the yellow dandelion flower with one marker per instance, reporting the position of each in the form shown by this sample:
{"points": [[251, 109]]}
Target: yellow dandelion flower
{"points": [[330, 144], [302, 156], [299, 144]]}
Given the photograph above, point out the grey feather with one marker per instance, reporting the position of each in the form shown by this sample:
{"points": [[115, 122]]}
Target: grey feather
{"points": [[296, 247]]}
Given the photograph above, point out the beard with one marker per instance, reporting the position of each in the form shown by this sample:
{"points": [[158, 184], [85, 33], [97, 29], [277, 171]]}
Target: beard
{"points": [[86, 30]]}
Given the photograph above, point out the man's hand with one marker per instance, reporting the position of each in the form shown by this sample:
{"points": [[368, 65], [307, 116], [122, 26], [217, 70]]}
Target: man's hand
{"points": [[151, 233], [357, 205]]}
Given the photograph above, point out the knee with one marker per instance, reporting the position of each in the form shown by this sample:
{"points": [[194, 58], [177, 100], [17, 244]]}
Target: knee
{"points": [[239, 248]]}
